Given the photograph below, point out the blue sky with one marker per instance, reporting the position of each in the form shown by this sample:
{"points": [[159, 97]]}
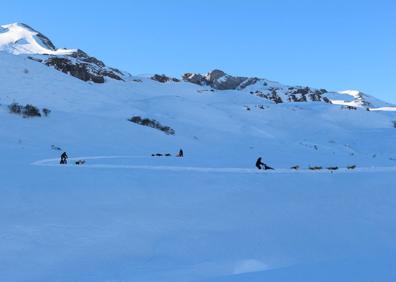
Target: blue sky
{"points": [[328, 44]]}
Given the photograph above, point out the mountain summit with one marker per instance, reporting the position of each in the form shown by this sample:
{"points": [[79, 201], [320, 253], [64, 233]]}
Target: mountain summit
{"points": [[21, 39]]}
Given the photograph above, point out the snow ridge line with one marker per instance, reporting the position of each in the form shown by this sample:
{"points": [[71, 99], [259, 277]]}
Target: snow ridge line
{"points": [[54, 163]]}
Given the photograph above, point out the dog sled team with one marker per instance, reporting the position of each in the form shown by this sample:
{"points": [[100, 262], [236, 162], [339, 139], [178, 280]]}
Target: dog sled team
{"points": [[260, 165], [179, 154], [64, 157]]}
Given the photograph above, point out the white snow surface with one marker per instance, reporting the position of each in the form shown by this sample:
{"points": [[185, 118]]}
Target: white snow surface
{"points": [[355, 98], [209, 217], [18, 38]]}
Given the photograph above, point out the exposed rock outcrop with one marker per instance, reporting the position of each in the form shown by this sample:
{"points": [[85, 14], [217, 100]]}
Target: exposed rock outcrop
{"points": [[272, 91], [21, 39], [304, 94], [81, 66], [272, 96], [163, 78], [219, 80]]}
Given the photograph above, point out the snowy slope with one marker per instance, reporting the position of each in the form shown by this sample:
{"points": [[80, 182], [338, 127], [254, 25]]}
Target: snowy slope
{"points": [[211, 216], [19, 39], [356, 98]]}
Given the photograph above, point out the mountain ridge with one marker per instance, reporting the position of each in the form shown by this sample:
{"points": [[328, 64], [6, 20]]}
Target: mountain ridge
{"points": [[21, 39]]}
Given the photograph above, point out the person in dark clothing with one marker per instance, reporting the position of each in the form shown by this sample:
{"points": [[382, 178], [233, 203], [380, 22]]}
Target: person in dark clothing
{"points": [[64, 158], [180, 154], [260, 165]]}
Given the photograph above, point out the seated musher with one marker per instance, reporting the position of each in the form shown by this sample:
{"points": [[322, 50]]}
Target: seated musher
{"points": [[180, 154], [64, 158], [260, 165]]}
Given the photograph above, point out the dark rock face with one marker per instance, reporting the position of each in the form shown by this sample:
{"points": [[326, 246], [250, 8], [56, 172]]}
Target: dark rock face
{"points": [[81, 71], [292, 94], [81, 55], [45, 40], [214, 75], [153, 124], [163, 78], [81, 66], [275, 97], [272, 96], [276, 93], [35, 59], [304, 94], [195, 78], [219, 80], [248, 82], [227, 82], [326, 100]]}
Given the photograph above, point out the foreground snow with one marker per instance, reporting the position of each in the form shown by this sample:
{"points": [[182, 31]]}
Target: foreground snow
{"points": [[85, 224]]}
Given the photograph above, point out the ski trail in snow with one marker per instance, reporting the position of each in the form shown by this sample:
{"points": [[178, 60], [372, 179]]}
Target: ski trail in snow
{"points": [[47, 162], [54, 163]]}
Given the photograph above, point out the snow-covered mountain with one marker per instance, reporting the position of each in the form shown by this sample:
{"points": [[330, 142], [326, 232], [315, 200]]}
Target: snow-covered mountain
{"points": [[21, 39], [279, 93], [131, 212]]}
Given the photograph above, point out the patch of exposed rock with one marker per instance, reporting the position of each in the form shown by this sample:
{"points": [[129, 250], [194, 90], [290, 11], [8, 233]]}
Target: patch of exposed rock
{"points": [[305, 94], [219, 80], [163, 78], [292, 94], [80, 65]]}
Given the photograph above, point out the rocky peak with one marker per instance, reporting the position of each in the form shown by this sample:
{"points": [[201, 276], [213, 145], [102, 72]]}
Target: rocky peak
{"points": [[21, 39], [219, 80], [214, 75]]}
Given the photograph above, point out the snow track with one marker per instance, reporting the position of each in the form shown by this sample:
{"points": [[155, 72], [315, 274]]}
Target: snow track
{"points": [[55, 163]]}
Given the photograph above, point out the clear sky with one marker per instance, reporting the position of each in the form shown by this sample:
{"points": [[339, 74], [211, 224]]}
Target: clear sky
{"points": [[338, 44]]}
